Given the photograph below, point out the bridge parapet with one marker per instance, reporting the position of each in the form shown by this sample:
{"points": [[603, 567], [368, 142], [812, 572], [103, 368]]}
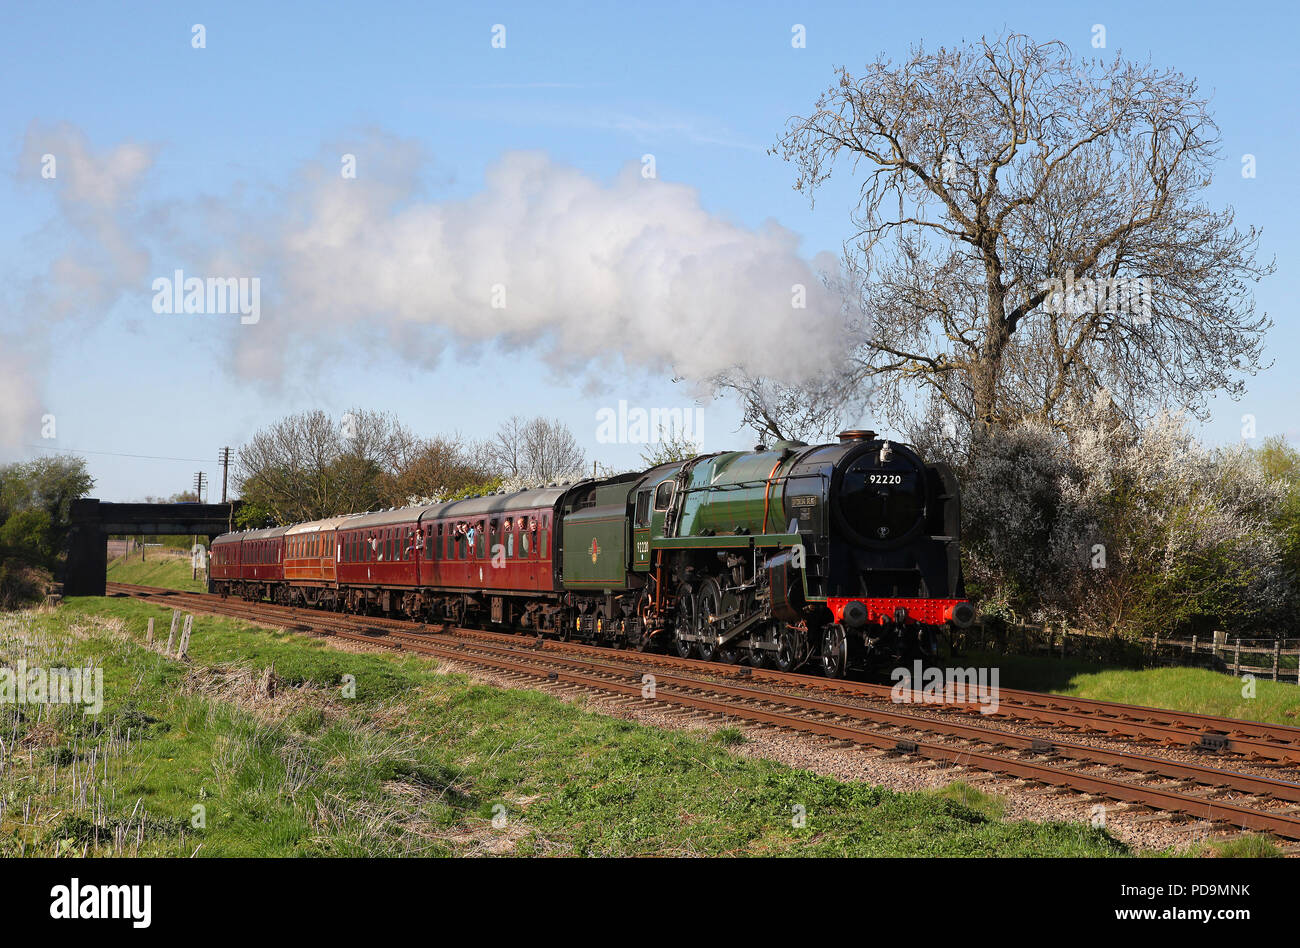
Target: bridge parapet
{"points": [[93, 520]]}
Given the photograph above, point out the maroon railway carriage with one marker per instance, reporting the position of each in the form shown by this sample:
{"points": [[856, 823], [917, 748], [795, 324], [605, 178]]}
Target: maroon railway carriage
{"points": [[501, 543], [378, 561], [223, 567], [249, 564], [440, 560], [310, 562]]}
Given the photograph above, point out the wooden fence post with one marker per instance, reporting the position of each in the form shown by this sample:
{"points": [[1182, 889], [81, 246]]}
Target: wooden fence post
{"points": [[183, 651], [1236, 656], [148, 638], [1277, 654], [171, 636]]}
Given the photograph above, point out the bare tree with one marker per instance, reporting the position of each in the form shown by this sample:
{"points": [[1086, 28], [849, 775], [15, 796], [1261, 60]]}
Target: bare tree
{"points": [[285, 468], [440, 467], [307, 465], [672, 446], [535, 452], [1030, 228], [505, 451]]}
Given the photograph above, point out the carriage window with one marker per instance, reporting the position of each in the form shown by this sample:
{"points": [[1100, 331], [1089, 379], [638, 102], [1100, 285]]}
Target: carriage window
{"points": [[664, 495]]}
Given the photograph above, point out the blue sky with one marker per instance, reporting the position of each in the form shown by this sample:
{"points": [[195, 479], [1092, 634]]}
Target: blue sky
{"points": [[232, 131]]}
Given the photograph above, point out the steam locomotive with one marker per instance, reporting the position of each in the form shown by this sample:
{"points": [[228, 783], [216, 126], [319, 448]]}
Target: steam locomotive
{"points": [[838, 556]]}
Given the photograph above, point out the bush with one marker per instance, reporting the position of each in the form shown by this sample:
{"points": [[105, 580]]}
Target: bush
{"points": [[28, 535], [1125, 529], [20, 584]]}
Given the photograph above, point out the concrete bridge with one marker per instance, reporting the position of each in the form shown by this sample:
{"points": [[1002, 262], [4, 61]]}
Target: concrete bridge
{"points": [[92, 522]]}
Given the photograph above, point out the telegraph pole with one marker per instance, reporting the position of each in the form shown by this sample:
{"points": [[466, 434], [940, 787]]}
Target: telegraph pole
{"points": [[224, 459], [200, 479]]}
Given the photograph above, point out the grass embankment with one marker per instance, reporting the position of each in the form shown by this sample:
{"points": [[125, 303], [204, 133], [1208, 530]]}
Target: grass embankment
{"points": [[160, 569], [1197, 690], [417, 762]]}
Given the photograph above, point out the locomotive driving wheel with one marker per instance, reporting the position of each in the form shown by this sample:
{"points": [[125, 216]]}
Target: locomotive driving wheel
{"points": [[708, 606], [835, 651], [645, 613], [787, 649], [685, 623]]}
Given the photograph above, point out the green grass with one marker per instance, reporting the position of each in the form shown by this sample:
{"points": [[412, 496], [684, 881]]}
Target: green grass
{"points": [[1250, 846], [1197, 690], [160, 569], [417, 762], [989, 804]]}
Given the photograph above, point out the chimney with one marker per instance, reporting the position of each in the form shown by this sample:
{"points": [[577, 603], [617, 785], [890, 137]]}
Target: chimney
{"points": [[855, 434]]}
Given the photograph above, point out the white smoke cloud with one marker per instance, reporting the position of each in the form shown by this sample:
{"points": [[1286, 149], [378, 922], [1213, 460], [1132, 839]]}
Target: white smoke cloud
{"points": [[99, 260], [632, 267]]}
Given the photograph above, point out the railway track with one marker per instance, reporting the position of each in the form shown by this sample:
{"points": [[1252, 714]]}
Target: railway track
{"points": [[811, 705], [1275, 743]]}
